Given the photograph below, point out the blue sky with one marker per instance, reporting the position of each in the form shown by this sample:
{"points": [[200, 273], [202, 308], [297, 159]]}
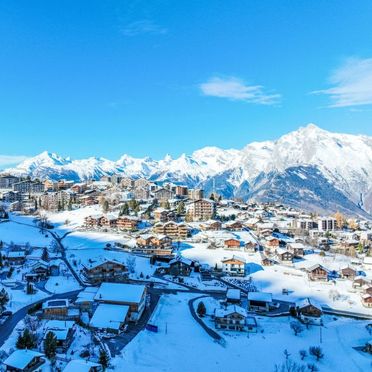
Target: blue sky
{"points": [[103, 78]]}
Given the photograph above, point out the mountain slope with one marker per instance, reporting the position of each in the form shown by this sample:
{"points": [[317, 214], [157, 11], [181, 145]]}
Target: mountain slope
{"points": [[336, 167]]}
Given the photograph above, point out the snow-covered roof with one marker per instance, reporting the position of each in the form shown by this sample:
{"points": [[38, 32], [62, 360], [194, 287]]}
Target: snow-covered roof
{"points": [[282, 251], [109, 316], [184, 260], [296, 245], [120, 292], [367, 260], [235, 258], [15, 254], [316, 266], [260, 296], [80, 365], [21, 358], [233, 294], [87, 295], [232, 309], [307, 302]]}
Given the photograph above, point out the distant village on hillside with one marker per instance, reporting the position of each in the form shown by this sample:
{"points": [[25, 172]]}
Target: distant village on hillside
{"points": [[91, 270]]}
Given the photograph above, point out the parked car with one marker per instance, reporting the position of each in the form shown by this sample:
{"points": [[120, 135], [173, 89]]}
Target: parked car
{"points": [[7, 313]]}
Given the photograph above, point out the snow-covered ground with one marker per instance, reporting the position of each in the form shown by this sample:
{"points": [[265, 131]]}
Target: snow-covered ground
{"points": [[61, 284], [17, 233], [182, 345], [337, 294]]}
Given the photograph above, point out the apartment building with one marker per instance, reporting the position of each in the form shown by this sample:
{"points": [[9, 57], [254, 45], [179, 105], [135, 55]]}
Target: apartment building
{"points": [[201, 210]]}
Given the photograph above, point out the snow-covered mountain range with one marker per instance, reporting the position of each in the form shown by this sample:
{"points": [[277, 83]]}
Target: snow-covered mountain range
{"points": [[310, 168]]}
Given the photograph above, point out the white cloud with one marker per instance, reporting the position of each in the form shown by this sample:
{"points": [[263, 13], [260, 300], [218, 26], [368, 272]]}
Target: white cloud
{"points": [[7, 160], [351, 84], [143, 27], [237, 90]]}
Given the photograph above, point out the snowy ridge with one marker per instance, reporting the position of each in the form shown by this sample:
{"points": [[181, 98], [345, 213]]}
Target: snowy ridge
{"points": [[344, 162]]}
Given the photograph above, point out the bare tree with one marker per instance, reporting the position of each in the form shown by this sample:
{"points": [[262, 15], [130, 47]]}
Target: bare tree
{"points": [[316, 351], [131, 264], [289, 366], [296, 328], [303, 354]]}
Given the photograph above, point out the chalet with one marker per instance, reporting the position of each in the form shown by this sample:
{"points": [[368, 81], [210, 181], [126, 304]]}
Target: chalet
{"points": [[232, 244], [39, 271], [105, 271], [211, 225], [251, 247], [233, 226], [162, 241], [79, 188], [110, 317], [144, 240], [64, 332], [298, 249], [85, 299], [88, 199], [172, 229], [266, 261], [259, 301], [308, 311], [272, 242], [233, 296], [317, 272], [164, 215], [16, 257], [234, 266], [55, 309], [131, 295], [93, 221], [284, 256], [109, 220], [348, 273], [24, 360], [180, 266], [127, 223], [366, 300], [234, 318], [359, 282], [82, 365]]}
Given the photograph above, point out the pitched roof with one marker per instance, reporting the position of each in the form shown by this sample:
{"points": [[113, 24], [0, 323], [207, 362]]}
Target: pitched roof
{"points": [[21, 358], [109, 316], [120, 292], [232, 309]]}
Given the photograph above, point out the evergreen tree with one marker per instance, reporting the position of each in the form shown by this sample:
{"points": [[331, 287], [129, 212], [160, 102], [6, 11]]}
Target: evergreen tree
{"points": [[181, 208], [103, 359], [29, 288], [50, 345], [124, 210], [201, 310], [45, 254], [26, 340], [105, 206]]}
